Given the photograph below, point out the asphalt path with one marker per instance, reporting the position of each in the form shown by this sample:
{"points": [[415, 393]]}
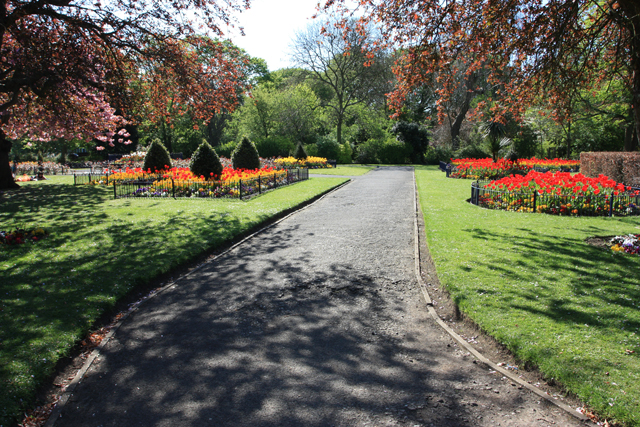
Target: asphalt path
{"points": [[317, 321]]}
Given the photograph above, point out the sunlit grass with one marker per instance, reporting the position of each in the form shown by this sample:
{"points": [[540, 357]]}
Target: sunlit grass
{"points": [[99, 249], [532, 282]]}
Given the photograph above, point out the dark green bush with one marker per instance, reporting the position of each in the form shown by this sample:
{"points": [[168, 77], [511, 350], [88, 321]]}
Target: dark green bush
{"points": [[393, 152], [472, 152], [245, 156], [328, 147], [300, 153], [414, 135], [274, 146], [226, 150], [206, 162], [157, 157], [435, 155], [367, 152]]}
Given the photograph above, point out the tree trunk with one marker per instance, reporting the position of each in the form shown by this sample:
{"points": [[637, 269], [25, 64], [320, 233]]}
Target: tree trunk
{"points": [[569, 140], [6, 177], [631, 138], [635, 104], [339, 129]]}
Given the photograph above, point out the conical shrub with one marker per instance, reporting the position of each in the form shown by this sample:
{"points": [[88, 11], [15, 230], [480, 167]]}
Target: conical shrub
{"points": [[300, 153], [205, 162], [245, 156], [157, 157]]}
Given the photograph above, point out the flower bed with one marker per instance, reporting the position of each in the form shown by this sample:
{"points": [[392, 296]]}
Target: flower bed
{"points": [[629, 244], [20, 236], [558, 193], [310, 162], [488, 169], [181, 182], [177, 174]]}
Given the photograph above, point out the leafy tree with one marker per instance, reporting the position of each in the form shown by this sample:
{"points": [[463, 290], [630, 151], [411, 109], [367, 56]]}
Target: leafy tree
{"points": [[245, 156], [202, 77], [534, 51], [205, 162], [290, 112], [157, 158], [343, 66], [65, 67]]}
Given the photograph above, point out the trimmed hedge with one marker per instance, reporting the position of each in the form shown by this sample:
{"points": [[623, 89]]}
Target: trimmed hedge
{"points": [[245, 156], [300, 153], [623, 167], [157, 157], [205, 162]]}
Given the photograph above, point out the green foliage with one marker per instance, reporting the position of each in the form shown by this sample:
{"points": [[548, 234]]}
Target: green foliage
{"points": [[157, 157], [471, 152], [435, 155], [187, 141], [226, 150], [367, 152], [311, 150], [415, 136], [274, 146], [245, 156], [205, 162], [328, 147], [300, 152], [346, 153], [389, 152], [393, 152]]}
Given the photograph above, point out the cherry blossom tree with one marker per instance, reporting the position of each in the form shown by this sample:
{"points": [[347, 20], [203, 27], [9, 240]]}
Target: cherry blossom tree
{"points": [[65, 64]]}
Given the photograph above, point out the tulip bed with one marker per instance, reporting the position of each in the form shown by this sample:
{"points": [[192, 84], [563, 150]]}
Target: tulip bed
{"points": [[558, 193], [181, 182], [310, 162], [488, 169]]}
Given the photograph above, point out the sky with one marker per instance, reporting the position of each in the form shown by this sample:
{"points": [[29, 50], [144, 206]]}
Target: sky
{"points": [[270, 26]]}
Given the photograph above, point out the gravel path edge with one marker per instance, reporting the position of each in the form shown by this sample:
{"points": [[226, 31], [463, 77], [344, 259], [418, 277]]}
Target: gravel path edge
{"points": [[461, 341]]}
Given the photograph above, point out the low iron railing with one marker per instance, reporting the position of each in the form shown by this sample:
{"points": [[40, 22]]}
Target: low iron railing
{"points": [[604, 204], [242, 188]]}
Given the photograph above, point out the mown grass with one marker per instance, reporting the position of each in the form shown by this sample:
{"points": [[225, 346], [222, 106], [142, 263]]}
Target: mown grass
{"points": [[99, 249], [346, 170], [532, 282]]}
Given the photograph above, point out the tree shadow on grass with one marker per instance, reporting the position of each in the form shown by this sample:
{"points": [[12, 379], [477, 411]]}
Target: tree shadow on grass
{"points": [[598, 278], [38, 204]]}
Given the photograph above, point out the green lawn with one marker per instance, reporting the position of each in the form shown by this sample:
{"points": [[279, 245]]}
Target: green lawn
{"points": [[99, 249], [532, 282], [346, 170]]}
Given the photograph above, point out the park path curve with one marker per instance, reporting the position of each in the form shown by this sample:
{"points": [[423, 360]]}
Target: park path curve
{"points": [[318, 321]]}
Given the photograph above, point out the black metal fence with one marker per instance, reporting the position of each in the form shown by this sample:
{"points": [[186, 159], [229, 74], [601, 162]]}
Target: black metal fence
{"points": [[625, 203], [243, 188]]}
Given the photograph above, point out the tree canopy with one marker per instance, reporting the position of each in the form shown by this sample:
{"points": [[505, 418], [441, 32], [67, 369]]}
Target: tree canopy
{"points": [[65, 66], [534, 50]]}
